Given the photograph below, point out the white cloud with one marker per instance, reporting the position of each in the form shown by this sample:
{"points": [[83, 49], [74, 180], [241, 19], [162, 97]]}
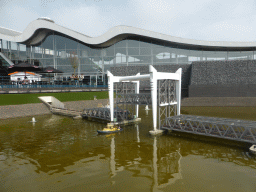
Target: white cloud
{"points": [[195, 19], [17, 17], [165, 16], [228, 30], [91, 20], [201, 19]]}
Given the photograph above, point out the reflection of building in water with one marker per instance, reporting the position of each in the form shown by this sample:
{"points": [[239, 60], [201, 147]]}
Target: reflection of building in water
{"points": [[166, 165], [169, 168], [138, 133], [54, 119], [112, 158], [159, 162], [56, 149]]}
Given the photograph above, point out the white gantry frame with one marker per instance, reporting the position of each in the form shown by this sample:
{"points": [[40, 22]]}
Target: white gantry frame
{"points": [[153, 77]]}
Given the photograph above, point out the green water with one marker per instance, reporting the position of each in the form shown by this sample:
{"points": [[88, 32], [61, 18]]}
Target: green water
{"points": [[61, 154]]}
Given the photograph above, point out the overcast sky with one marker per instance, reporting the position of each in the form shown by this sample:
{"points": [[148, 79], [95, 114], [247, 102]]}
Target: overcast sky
{"points": [[213, 20]]}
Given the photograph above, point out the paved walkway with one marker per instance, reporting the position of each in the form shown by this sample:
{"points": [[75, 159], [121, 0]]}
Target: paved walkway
{"points": [[13, 111], [80, 105], [219, 101], [50, 90]]}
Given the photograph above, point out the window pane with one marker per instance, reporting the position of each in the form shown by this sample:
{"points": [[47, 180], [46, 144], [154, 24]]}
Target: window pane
{"points": [[133, 51], [143, 44], [121, 51], [121, 44], [145, 51], [133, 43]]}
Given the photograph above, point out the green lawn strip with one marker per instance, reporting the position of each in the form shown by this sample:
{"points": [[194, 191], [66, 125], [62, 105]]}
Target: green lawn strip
{"points": [[17, 99]]}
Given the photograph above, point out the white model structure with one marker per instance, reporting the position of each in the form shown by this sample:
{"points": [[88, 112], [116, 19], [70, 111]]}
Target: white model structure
{"points": [[20, 76], [158, 99]]}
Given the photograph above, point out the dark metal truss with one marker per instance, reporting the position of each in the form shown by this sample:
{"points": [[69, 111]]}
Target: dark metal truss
{"points": [[104, 114], [238, 130], [124, 87], [126, 93], [165, 112], [100, 113], [166, 91], [140, 99]]}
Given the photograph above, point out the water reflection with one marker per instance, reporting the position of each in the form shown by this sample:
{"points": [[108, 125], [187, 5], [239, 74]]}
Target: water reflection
{"points": [[58, 147], [167, 169], [112, 158]]}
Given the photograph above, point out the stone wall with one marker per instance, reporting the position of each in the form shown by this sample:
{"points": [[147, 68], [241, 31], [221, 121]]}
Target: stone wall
{"points": [[223, 72], [223, 79], [171, 68], [206, 78], [14, 111]]}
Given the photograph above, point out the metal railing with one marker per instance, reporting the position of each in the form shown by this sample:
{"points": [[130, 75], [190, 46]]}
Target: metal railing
{"points": [[6, 83], [233, 129]]}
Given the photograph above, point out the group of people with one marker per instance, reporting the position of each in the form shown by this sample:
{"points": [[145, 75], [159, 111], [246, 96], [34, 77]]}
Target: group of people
{"points": [[77, 77], [25, 81]]}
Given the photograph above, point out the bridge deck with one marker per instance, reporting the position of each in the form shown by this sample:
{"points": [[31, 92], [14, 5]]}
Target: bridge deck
{"points": [[143, 99], [103, 113], [66, 112], [233, 129]]}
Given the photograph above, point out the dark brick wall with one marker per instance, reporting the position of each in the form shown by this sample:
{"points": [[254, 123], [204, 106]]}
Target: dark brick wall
{"points": [[172, 68], [206, 78], [223, 72], [223, 79], [247, 90], [133, 70]]}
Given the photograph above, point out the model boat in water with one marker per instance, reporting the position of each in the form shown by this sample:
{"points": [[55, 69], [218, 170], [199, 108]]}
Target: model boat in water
{"points": [[107, 130], [253, 149]]}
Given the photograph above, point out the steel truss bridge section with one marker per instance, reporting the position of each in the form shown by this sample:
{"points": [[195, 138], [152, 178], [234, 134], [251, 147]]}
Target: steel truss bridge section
{"points": [[165, 91], [233, 129], [166, 94], [104, 114], [137, 99]]}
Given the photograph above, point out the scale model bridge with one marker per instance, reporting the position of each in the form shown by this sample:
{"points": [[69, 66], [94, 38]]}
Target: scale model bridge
{"points": [[103, 113], [233, 129]]}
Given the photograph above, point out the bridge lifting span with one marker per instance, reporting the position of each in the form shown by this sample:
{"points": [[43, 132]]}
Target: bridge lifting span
{"points": [[165, 96], [232, 129], [103, 113]]}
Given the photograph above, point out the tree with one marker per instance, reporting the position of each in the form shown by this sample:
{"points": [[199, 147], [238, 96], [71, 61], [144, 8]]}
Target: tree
{"points": [[73, 60]]}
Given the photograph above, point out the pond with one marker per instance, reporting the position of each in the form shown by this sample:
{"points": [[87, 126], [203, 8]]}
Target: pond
{"points": [[61, 154]]}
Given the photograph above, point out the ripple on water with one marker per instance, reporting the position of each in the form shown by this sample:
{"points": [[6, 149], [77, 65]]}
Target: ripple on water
{"points": [[68, 155]]}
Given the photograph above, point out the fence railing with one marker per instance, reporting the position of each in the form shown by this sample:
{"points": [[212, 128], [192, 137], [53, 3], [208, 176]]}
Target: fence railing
{"points": [[5, 82], [51, 86]]}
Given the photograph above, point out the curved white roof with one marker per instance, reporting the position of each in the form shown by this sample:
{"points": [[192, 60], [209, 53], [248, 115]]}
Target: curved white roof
{"points": [[38, 29]]}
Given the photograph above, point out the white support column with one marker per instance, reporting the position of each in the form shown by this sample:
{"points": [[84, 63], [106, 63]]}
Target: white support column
{"points": [[178, 90], [111, 95], [153, 85], [137, 91], [153, 76]]}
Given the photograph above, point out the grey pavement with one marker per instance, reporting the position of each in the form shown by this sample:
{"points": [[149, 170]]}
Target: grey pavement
{"points": [[13, 111]]}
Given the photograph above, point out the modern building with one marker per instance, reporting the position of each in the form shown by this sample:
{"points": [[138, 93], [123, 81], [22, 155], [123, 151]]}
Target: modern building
{"points": [[46, 43]]}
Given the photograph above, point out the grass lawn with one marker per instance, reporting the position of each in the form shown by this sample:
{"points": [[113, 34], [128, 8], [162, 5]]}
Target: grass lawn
{"points": [[16, 99]]}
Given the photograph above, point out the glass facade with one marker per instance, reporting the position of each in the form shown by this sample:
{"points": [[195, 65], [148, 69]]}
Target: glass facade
{"points": [[55, 50]]}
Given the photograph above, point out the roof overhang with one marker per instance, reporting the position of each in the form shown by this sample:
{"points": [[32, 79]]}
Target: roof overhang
{"points": [[38, 30]]}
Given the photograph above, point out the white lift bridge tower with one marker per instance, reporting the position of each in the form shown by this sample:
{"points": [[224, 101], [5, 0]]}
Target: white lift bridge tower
{"points": [[165, 96]]}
